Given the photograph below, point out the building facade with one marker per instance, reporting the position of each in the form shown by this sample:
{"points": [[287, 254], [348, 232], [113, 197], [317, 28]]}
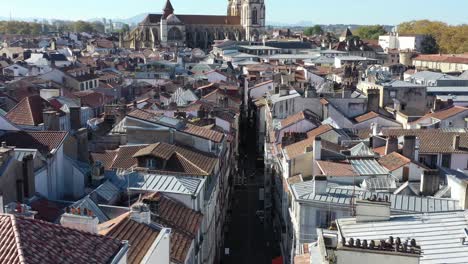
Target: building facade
{"points": [[245, 20]]}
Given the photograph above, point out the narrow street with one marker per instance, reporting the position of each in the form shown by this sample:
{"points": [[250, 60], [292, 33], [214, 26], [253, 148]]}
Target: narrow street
{"points": [[249, 235]]}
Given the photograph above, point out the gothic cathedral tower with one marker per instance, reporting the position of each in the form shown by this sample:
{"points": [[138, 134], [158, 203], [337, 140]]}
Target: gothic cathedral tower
{"points": [[253, 18], [234, 8]]}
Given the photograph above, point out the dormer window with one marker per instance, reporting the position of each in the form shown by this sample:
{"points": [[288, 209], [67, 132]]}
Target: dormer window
{"points": [[151, 163]]}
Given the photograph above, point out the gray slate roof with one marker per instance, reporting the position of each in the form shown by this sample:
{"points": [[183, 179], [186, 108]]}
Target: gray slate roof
{"points": [[343, 195], [438, 234]]}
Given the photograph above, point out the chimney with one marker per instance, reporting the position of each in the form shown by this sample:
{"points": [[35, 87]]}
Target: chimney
{"points": [[51, 121], [318, 148], [373, 210], [82, 144], [456, 142], [154, 203], [429, 182], [19, 209], [373, 100], [320, 184], [83, 220], [375, 129], [2, 210], [97, 173], [140, 213], [317, 155], [410, 147], [28, 176], [75, 118], [392, 145]]}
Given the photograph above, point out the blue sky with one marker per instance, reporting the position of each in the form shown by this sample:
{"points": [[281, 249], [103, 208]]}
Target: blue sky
{"points": [[291, 11]]}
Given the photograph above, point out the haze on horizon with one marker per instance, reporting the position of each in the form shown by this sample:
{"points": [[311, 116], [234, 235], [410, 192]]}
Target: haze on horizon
{"points": [[318, 12]]}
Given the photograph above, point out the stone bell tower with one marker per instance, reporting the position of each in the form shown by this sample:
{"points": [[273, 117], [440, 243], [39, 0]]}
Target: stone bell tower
{"points": [[253, 16]]}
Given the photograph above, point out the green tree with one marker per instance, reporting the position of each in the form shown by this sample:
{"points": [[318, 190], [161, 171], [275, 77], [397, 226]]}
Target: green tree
{"points": [[315, 30], [429, 45], [125, 28], [449, 39], [82, 26], [370, 32], [98, 27]]}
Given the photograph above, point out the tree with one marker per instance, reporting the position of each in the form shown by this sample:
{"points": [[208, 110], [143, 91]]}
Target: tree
{"points": [[370, 32], [315, 30], [125, 28], [98, 27], [429, 45], [82, 26], [449, 39]]}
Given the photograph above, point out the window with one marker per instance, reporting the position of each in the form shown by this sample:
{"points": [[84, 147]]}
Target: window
{"points": [[81, 86], [254, 16], [446, 160], [324, 218], [151, 163]]}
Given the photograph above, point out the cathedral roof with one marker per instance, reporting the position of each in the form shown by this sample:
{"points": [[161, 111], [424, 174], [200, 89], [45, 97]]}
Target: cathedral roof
{"points": [[196, 19]]}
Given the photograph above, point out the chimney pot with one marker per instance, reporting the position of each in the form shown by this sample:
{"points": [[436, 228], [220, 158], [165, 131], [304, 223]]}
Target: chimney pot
{"points": [[456, 142]]}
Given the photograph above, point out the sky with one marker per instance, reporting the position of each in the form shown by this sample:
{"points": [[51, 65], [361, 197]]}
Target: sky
{"points": [[390, 12]]}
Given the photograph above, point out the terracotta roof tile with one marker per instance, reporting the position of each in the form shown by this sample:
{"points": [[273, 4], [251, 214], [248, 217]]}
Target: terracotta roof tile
{"points": [[462, 59], [319, 131], [124, 158], [444, 114], [204, 133], [433, 140], [184, 222], [292, 119], [298, 148], [140, 236], [366, 117], [44, 141], [28, 111], [34, 241], [336, 168], [107, 158], [393, 161], [180, 159]]}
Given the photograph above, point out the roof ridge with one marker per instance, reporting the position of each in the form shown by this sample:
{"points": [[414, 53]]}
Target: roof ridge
{"points": [[17, 238], [191, 163]]}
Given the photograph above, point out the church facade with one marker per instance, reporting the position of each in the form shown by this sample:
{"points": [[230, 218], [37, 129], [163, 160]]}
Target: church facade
{"points": [[245, 20]]}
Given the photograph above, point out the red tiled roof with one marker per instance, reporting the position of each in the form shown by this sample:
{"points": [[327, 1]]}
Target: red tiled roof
{"points": [[394, 161], [298, 148], [204, 133], [183, 220], [107, 158], [180, 159], [91, 98], [140, 236], [44, 141], [292, 119], [433, 140], [447, 58], [444, 114], [124, 158], [319, 131], [336, 168], [366, 116], [34, 241], [28, 111]]}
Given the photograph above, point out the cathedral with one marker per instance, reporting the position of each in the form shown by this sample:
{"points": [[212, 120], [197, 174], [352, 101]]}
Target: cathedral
{"points": [[245, 20]]}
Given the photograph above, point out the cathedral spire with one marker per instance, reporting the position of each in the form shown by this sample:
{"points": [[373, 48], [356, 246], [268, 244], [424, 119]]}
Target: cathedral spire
{"points": [[168, 9]]}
